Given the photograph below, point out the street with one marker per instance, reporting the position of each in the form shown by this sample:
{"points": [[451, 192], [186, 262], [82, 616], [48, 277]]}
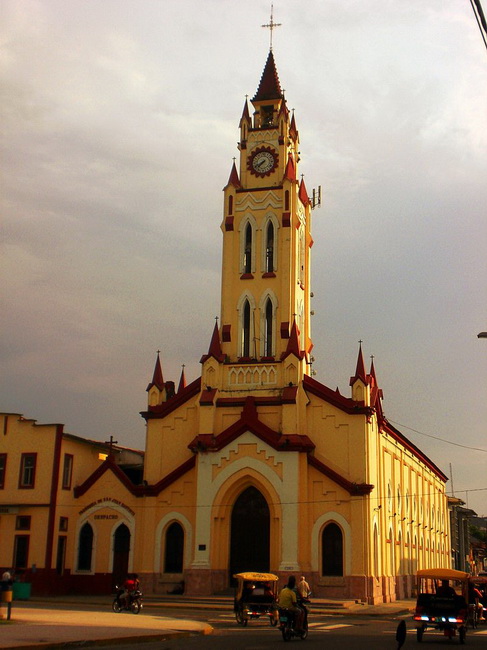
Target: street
{"points": [[348, 632]]}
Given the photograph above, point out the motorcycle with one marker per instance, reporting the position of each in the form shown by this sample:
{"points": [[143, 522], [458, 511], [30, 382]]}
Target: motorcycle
{"points": [[129, 602], [287, 621]]}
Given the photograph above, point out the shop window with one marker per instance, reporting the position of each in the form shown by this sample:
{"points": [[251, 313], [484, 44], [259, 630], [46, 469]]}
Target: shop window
{"points": [[85, 548], [173, 559], [332, 551], [67, 471], [27, 471]]}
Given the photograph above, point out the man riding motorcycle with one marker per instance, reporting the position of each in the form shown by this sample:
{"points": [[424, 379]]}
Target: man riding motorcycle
{"points": [[288, 600]]}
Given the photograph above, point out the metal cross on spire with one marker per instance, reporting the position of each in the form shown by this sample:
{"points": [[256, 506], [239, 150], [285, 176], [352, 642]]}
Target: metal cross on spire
{"points": [[272, 25]]}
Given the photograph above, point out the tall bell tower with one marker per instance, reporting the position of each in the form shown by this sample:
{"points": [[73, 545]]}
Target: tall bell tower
{"points": [[265, 309]]}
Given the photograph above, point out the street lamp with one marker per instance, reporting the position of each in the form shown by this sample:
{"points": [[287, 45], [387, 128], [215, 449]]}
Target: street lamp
{"points": [[482, 335]]}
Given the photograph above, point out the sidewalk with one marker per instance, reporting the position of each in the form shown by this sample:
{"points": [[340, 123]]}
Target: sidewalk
{"points": [[44, 623]]}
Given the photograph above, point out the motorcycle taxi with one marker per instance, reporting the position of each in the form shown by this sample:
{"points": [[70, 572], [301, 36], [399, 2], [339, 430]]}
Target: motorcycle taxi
{"points": [[442, 602], [255, 596]]}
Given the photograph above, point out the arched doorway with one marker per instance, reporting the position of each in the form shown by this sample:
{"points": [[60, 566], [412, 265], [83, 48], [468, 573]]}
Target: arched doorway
{"points": [[173, 556], [332, 551], [121, 550], [250, 533]]}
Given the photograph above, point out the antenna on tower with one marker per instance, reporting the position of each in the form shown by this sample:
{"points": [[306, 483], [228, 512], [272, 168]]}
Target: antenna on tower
{"points": [[316, 198], [272, 25]]}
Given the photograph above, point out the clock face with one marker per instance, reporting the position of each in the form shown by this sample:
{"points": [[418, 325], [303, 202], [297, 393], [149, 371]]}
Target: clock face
{"points": [[262, 162]]}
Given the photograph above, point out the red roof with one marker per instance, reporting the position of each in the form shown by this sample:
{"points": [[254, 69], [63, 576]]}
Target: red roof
{"points": [[249, 421], [269, 87]]}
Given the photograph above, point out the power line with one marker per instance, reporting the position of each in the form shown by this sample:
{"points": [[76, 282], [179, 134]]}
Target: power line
{"points": [[480, 18], [456, 444]]}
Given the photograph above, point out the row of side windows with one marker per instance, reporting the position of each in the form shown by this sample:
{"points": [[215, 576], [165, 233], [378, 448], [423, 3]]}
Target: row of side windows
{"points": [[173, 553], [27, 471]]}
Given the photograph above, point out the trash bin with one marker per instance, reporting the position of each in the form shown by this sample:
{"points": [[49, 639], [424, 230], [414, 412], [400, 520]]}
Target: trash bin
{"points": [[6, 596], [21, 590]]}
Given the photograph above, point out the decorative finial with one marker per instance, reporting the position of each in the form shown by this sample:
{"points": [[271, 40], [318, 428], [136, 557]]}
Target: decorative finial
{"points": [[158, 352], [272, 25], [360, 341]]}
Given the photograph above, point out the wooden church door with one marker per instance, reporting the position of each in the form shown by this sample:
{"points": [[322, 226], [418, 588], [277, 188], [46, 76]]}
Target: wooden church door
{"points": [[250, 533]]}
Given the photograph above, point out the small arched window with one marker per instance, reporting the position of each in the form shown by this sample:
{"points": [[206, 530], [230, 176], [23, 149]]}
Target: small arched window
{"points": [[248, 249], [332, 551], [173, 557], [85, 548], [246, 329], [286, 200], [269, 248], [230, 204]]}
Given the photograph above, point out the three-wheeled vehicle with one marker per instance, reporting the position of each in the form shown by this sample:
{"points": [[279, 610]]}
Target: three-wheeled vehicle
{"points": [[255, 596], [442, 602]]}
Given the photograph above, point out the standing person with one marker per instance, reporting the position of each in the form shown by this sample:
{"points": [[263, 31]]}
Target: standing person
{"points": [[303, 588], [288, 600]]}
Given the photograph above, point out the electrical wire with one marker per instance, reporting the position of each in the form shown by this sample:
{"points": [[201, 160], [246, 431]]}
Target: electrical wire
{"points": [[449, 442], [480, 18]]}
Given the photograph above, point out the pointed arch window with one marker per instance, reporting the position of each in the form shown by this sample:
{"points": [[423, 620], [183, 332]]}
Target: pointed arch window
{"points": [[269, 327], [173, 557], [247, 263], [269, 247], [246, 329], [85, 548]]}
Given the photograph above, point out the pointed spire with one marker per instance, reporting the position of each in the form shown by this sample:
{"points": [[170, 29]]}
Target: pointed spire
{"points": [[284, 111], [372, 371], [269, 87], [215, 349], [293, 344], [360, 369], [182, 380], [290, 171], [234, 179], [293, 131], [245, 114], [157, 379], [303, 193]]}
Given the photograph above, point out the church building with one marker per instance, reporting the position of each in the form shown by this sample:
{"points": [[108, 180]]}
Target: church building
{"points": [[256, 465]]}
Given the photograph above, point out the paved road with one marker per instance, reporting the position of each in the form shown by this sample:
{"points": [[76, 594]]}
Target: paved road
{"points": [[48, 625], [346, 633]]}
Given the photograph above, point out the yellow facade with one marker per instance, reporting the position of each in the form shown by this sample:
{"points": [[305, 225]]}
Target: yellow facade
{"points": [[255, 465]]}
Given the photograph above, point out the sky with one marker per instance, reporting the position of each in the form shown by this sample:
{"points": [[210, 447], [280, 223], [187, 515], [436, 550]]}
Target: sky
{"points": [[119, 128]]}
